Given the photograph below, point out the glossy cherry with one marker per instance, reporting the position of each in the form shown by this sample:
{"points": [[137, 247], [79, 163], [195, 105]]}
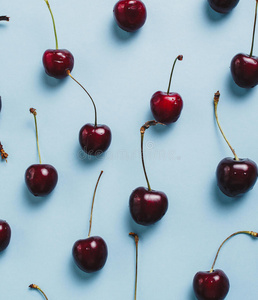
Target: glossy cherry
{"points": [[90, 254], [0, 103], [36, 287], [235, 176], [5, 235], [4, 18], [147, 206], [94, 138], [40, 178], [223, 6], [57, 61], [214, 284], [130, 15], [244, 67], [166, 107]]}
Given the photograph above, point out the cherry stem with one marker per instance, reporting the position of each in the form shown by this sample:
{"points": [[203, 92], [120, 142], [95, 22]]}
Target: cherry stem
{"points": [[216, 101], [4, 155], [94, 194], [4, 18], [142, 130], [34, 286], [34, 112], [95, 109], [136, 239], [252, 233], [180, 57], [54, 25], [255, 17]]}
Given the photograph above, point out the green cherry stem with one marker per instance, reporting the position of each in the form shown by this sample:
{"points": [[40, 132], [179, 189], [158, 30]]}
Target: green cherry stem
{"points": [[136, 239], [255, 17], [54, 25], [3, 154], [216, 101], [94, 194], [251, 233], [180, 57], [34, 112], [95, 109], [34, 286]]}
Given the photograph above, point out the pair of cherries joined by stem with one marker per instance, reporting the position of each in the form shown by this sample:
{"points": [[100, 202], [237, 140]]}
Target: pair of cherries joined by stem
{"points": [[147, 206], [223, 6], [40, 178], [5, 235], [244, 67], [94, 138], [90, 254], [235, 176], [214, 284]]}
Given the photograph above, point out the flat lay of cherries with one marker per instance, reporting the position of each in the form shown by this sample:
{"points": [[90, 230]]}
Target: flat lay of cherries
{"points": [[234, 176]]}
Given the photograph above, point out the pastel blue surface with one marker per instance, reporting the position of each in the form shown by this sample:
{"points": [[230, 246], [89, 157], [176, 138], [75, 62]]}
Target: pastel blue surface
{"points": [[122, 71]]}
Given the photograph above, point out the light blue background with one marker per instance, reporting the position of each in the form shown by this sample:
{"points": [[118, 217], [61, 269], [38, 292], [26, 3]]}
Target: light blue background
{"points": [[122, 71]]}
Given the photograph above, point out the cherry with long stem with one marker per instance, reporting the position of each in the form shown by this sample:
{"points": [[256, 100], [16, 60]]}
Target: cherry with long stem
{"points": [[4, 155], [4, 18], [34, 112], [179, 57], [36, 287], [136, 240]]}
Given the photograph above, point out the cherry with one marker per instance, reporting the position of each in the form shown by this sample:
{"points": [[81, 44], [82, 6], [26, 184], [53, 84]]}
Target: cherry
{"points": [[223, 6], [3, 154], [244, 67], [0, 103], [94, 138], [146, 205], [57, 61], [214, 284], [166, 107], [130, 15], [5, 235], [235, 176], [4, 18], [36, 287], [40, 178], [90, 254], [136, 240]]}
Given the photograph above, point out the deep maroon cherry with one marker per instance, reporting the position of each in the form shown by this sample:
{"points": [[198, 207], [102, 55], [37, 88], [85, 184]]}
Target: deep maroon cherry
{"points": [[94, 138], [130, 15], [57, 61], [5, 235], [90, 254], [36, 287], [223, 6], [166, 107], [147, 206], [244, 67], [40, 178], [4, 18], [0, 103], [235, 176]]}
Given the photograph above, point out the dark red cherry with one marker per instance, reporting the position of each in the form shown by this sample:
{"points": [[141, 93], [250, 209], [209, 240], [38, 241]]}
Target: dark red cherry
{"points": [[41, 179], [223, 6], [0, 103], [130, 15], [235, 177], [58, 62], [5, 234], [244, 70], [90, 254], [211, 285], [147, 207], [95, 140]]}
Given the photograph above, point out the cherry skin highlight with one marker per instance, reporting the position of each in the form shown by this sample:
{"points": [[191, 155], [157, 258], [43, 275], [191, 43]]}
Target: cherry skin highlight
{"points": [[147, 207], [57, 62], [130, 15], [41, 179], [211, 285], [5, 235], [223, 6]]}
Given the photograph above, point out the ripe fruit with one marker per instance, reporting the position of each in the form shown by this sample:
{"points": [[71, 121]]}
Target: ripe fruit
{"points": [[5, 235], [214, 284], [244, 67], [94, 138], [235, 176], [57, 61], [3, 154], [90, 254], [34, 286], [4, 18], [136, 240], [146, 205], [223, 6], [40, 178], [130, 15], [166, 107], [0, 103]]}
